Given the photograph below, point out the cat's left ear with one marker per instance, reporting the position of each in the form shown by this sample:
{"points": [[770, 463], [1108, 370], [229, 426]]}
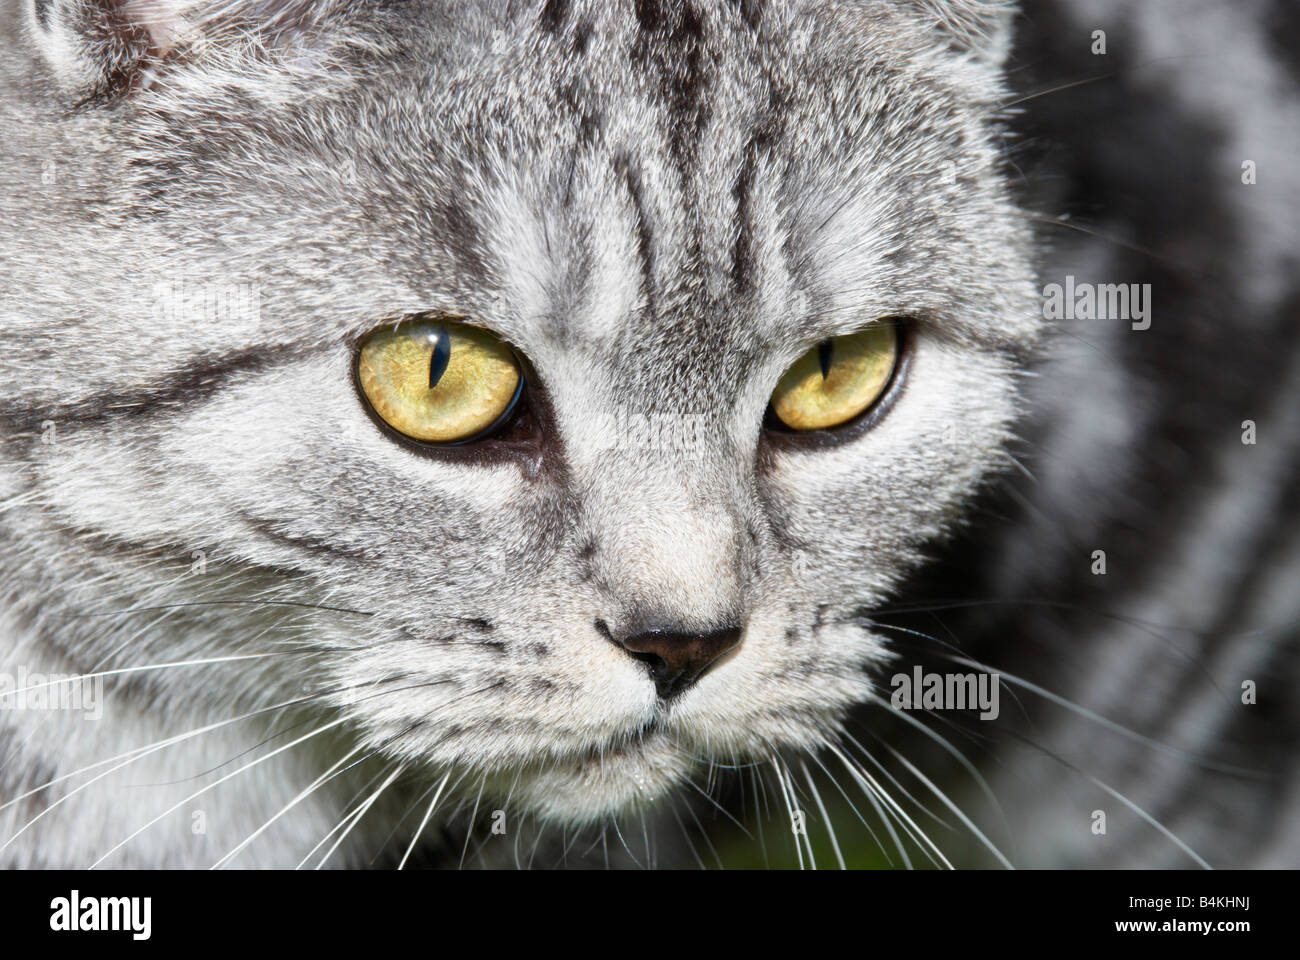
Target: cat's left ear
{"points": [[110, 47], [980, 28]]}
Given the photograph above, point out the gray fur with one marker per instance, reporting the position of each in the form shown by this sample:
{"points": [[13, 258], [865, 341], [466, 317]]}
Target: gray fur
{"points": [[573, 182], [661, 205]]}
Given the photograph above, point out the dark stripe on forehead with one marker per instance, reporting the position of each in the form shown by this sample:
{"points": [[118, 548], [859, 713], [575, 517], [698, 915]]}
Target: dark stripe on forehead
{"points": [[630, 177], [670, 49], [552, 16], [742, 253], [671, 43], [551, 21], [751, 11], [656, 16], [761, 142], [459, 234]]}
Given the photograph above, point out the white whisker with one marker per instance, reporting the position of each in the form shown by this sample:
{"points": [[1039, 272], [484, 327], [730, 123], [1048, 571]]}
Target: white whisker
{"points": [[198, 793], [826, 819], [370, 801], [306, 792], [437, 795]]}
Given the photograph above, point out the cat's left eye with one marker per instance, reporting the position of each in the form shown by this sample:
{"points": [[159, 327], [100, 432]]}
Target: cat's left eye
{"points": [[438, 381], [837, 380]]}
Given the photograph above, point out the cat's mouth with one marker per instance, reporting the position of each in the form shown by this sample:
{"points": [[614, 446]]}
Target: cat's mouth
{"points": [[607, 781], [623, 747], [618, 775]]}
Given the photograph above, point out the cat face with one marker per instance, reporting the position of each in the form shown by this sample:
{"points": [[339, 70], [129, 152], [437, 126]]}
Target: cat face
{"points": [[659, 211]]}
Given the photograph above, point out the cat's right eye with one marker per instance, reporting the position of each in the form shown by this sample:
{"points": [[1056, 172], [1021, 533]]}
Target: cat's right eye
{"points": [[438, 381]]}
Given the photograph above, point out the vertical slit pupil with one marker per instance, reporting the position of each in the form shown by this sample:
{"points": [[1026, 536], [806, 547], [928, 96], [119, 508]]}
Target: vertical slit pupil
{"points": [[440, 357], [824, 356]]}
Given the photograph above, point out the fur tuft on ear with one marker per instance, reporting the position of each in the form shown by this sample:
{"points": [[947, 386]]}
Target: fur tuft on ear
{"points": [[98, 48], [981, 28]]}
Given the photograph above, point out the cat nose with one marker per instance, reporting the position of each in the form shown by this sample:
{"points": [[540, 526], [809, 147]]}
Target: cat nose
{"points": [[676, 659]]}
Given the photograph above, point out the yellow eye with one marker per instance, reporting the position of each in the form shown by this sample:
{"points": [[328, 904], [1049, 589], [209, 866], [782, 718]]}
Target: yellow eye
{"points": [[438, 381], [837, 379]]}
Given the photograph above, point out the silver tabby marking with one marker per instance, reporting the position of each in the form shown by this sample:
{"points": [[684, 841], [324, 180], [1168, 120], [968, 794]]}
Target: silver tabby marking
{"points": [[320, 643]]}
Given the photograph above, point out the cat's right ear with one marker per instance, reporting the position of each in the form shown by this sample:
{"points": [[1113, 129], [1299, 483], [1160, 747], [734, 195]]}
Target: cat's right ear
{"points": [[103, 48]]}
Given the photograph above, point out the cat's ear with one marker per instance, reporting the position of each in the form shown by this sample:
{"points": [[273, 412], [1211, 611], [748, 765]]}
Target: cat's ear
{"points": [[981, 28], [106, 47]]}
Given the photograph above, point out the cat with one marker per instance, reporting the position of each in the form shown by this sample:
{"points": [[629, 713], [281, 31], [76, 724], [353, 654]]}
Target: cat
{"points": [[651, 572]]}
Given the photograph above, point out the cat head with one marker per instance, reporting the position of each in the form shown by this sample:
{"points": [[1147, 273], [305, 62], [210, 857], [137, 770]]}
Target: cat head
{"points": [[652, 211]]}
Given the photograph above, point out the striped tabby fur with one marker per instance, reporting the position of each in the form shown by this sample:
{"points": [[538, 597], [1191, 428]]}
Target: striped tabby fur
{"points": [[318, 647]]}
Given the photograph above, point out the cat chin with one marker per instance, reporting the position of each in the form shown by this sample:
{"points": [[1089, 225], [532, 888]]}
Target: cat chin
{"points": [[598, 786]]}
